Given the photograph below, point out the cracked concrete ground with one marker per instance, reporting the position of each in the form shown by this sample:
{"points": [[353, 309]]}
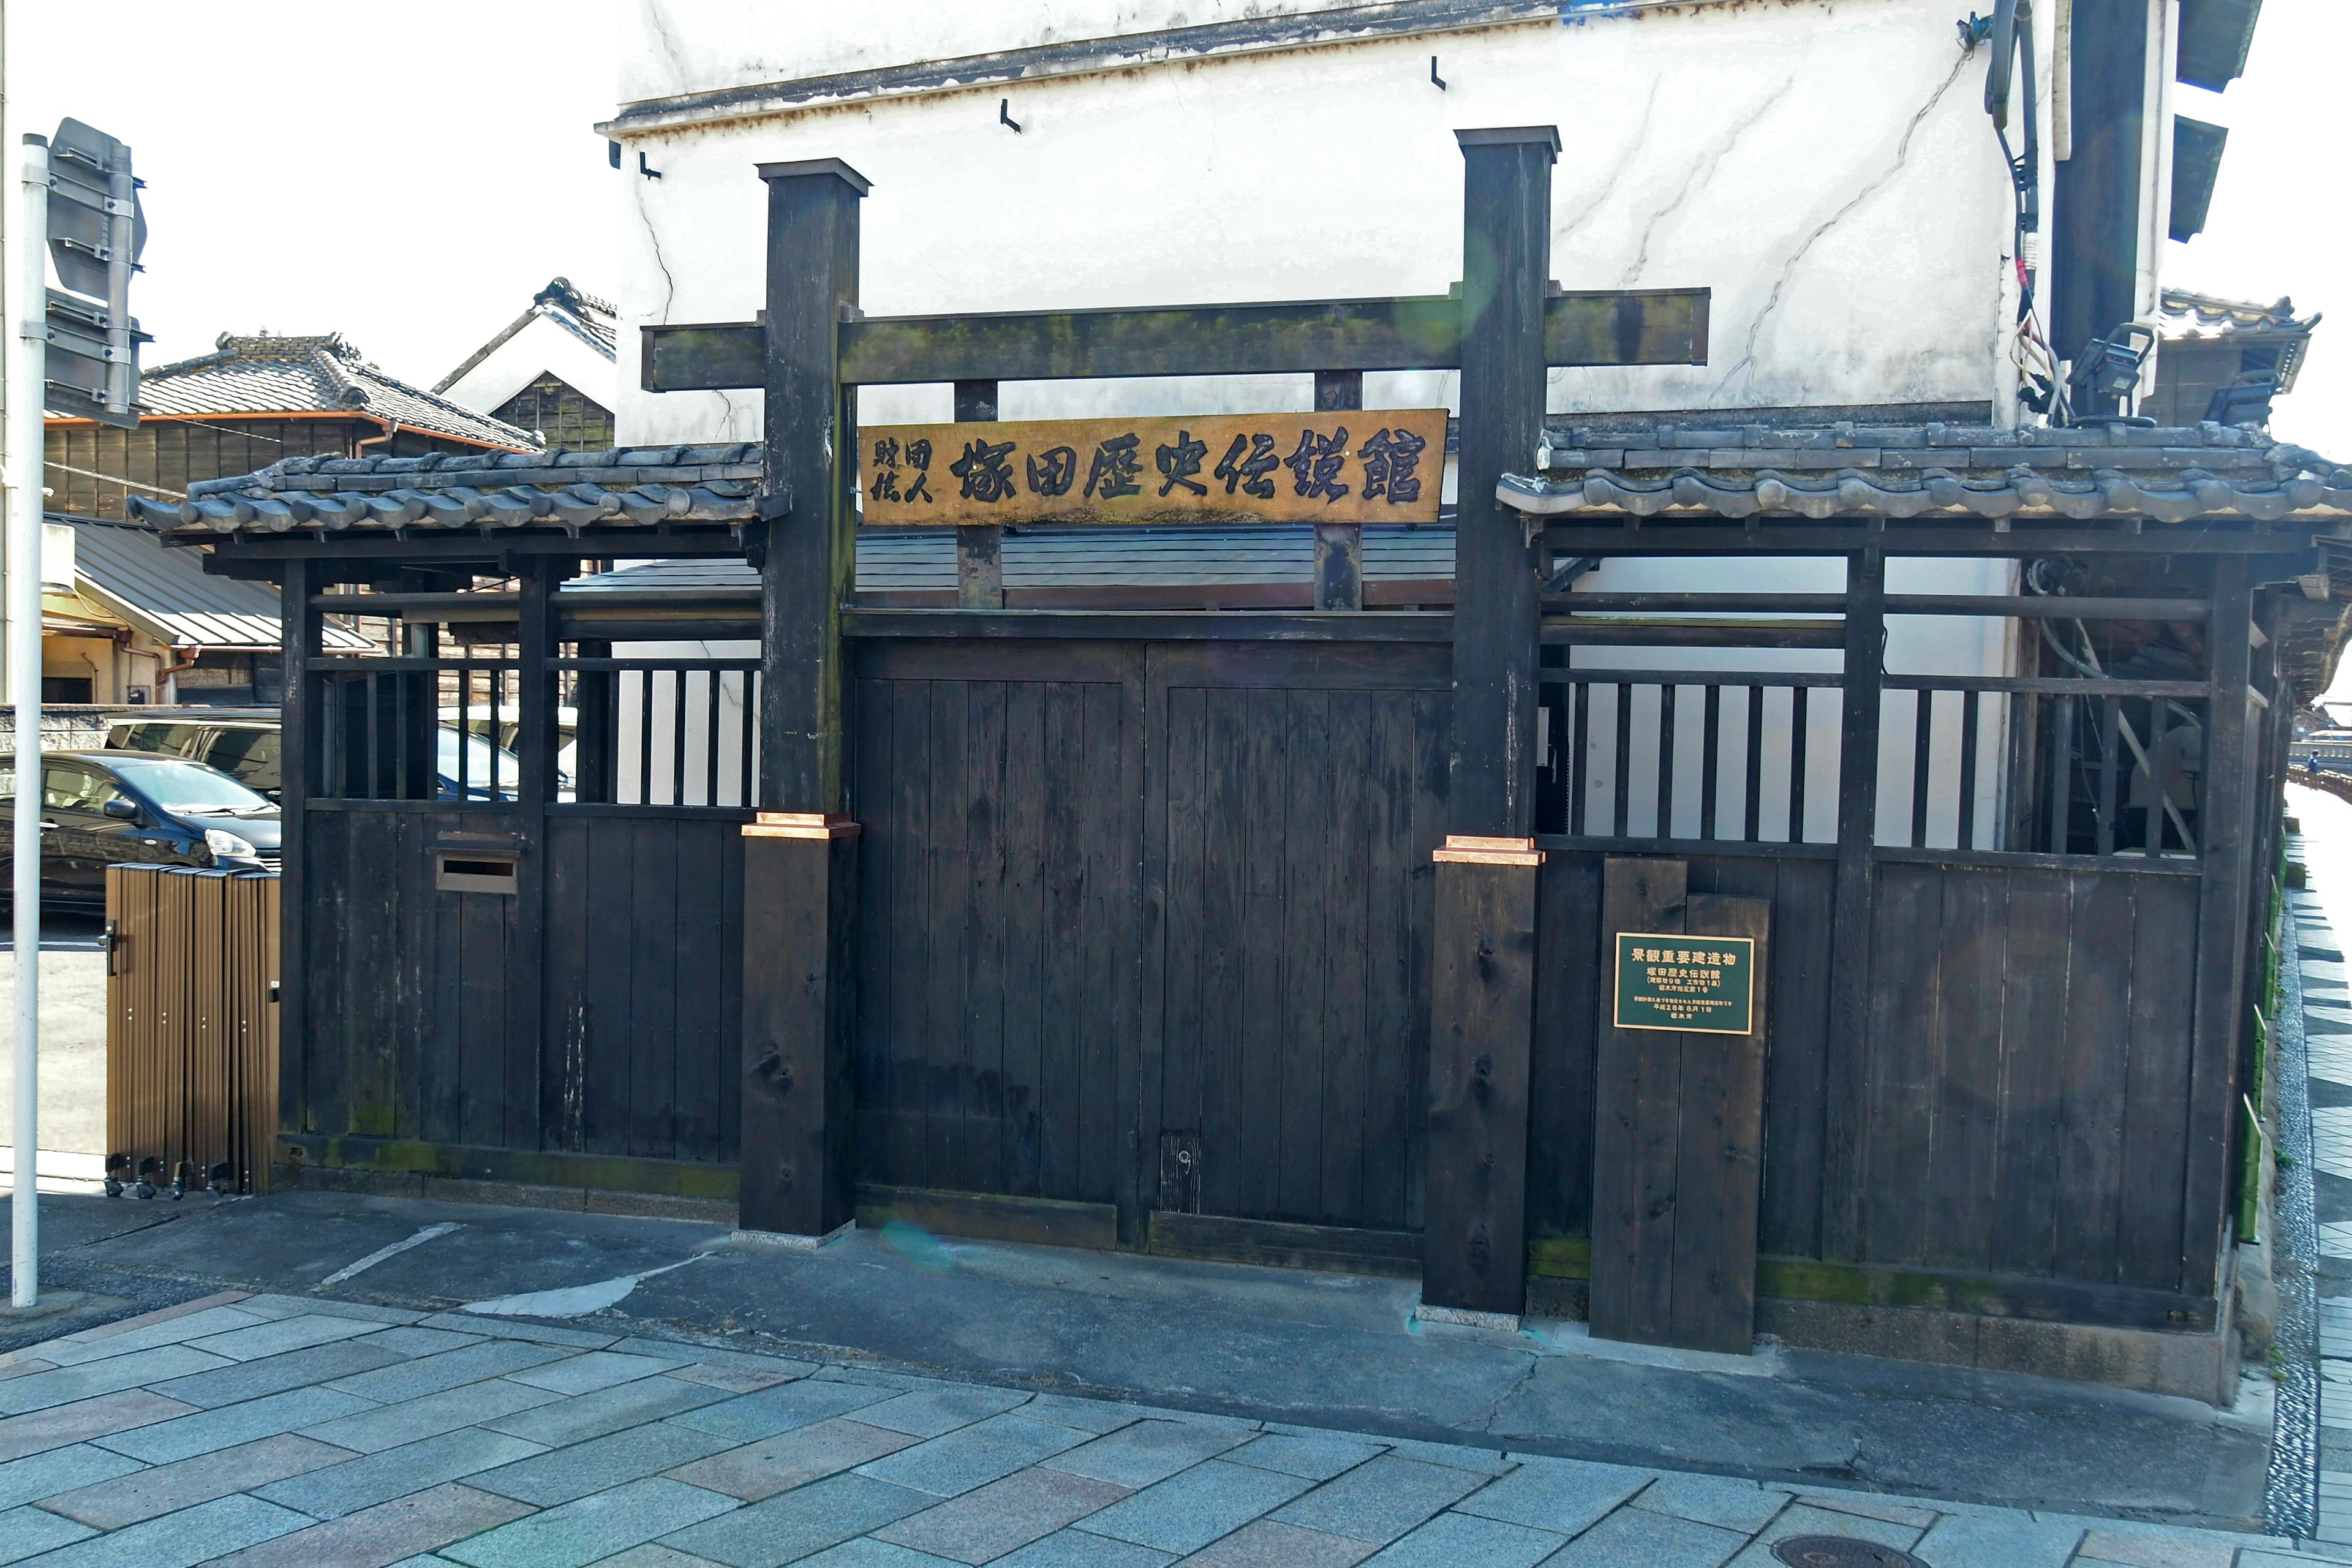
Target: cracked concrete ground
{"points": [[1321, 1350]]}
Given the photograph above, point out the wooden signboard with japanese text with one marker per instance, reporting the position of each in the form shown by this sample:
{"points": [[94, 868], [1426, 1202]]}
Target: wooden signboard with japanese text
{"points": [[1356, 466]]}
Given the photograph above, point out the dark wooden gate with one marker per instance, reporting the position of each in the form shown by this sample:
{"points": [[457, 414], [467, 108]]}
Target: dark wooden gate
{"points": [[1122, 899]]}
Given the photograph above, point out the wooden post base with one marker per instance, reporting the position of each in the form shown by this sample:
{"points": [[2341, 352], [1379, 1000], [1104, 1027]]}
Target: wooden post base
{"points": [[800, 878], [1482, 1024]]}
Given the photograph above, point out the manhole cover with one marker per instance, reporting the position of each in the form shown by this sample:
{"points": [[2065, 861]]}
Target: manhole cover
{"points": [[1840, 1551]]}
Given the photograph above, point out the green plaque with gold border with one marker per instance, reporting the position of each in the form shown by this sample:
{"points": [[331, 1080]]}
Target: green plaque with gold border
{"points": [[1694, 985]]}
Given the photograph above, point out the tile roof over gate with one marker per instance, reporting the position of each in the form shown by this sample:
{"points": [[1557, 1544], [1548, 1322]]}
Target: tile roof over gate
{"points": [[247, 376], [2137, 472], [1598, 463]]}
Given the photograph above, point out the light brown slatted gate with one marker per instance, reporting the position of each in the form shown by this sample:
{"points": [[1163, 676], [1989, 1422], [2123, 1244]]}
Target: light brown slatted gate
{"points": [[191, 1027]]}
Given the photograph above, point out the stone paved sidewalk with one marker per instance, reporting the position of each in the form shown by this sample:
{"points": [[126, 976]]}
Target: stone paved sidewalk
{"points": [[265, 1430]]}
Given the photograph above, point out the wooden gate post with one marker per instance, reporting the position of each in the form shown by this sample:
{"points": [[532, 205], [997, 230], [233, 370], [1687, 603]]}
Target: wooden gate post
{"points": [[1852, 904], [800, 856], [1474, 1229], [2223, 832]]}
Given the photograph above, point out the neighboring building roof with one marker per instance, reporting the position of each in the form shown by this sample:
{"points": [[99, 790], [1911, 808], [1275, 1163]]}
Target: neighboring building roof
{"points": [[2118, 471], [126, 569], [2186, 318], [553, 369], [2183, 315], [313, 375], [596, 322]]}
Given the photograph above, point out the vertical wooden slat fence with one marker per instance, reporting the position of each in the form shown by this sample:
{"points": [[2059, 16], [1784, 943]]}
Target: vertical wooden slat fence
{"points": [[191, 1024]]}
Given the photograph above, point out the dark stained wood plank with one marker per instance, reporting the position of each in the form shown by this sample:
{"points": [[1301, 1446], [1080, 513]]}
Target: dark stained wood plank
{"points": [[449, 1114], [1395, 1063], [1636, 1083], [1134, 1083], [1060, 1158], [908, 1160], [874, 796], [1024, 848], [1224, 908], [1904, 1060], [983, 803], [1431, 814], [1795, 1060], [1179, 722], [1719, 1166], [1482, 1010], [1570, 980], [700, 1067], [1843, 1152], [1970, 959], [1108, 827], [949, 923], [2034, 1018], [2092, 1050], [2225, 833], [1266, 761], [654, 993], [797, 1123], [728, 1045], [1506, 248], [1614, 327], [1347, 848], [2150, 1244], [1304, 849], [591, 1084]]}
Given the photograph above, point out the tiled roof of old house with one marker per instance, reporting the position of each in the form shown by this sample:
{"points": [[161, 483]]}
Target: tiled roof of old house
{"points": [[325, 374]]}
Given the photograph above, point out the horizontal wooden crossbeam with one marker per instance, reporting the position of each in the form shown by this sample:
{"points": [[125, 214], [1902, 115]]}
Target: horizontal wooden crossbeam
{"points": [[1662, 326]]}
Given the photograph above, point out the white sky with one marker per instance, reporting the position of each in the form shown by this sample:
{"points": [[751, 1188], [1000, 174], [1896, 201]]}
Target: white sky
{"points": [[410, 178]]}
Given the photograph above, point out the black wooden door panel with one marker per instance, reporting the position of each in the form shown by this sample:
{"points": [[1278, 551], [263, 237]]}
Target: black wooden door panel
{"points": [[999, 790], [1294, 797]]}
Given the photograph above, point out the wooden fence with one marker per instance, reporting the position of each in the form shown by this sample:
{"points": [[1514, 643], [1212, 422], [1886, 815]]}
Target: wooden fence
{"points": [[192, 1027]]}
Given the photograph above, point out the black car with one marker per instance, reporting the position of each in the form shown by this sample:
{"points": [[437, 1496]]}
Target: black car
{"points": [[111, 807]]}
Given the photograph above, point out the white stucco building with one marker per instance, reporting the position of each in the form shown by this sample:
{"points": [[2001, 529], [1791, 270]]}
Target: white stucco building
{"points": [[1828, 169]]}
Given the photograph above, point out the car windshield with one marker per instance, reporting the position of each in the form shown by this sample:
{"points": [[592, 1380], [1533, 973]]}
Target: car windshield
{"points": [[481, 757], [192, 789]]}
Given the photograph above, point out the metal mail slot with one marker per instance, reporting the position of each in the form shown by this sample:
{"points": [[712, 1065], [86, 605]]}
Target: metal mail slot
{"points": [[473, 871]]}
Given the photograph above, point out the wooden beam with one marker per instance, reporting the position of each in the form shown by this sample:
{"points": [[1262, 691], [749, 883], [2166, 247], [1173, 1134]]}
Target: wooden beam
{"points": [[534, 1099], [1155, 625], [1851, 902], [1339, 546], [811, 557], [1474, 1225], [1631, 536], [1649, 326], [300, 642], [1482, 1015], [979, 546], [800, 860], [2224, 834], [1506, 254]]}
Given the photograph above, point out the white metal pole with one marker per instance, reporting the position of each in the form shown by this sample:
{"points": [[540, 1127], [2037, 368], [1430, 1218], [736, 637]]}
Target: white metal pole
{"points": [[27, 301]]}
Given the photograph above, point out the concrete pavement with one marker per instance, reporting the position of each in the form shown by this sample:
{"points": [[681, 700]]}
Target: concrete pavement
{"points": [[267, 1429]]}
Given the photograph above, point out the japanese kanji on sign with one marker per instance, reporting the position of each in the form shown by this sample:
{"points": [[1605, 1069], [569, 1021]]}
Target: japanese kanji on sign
{"points": [[1359, 465], [1702, 984]]}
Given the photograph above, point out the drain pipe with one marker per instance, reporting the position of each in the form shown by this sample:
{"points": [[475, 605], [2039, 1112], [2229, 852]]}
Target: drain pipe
{"points": [[390, 428]]}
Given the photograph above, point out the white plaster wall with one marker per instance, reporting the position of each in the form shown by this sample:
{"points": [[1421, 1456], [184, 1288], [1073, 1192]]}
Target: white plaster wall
{"points": [[541, 346], [1823, 165]]}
